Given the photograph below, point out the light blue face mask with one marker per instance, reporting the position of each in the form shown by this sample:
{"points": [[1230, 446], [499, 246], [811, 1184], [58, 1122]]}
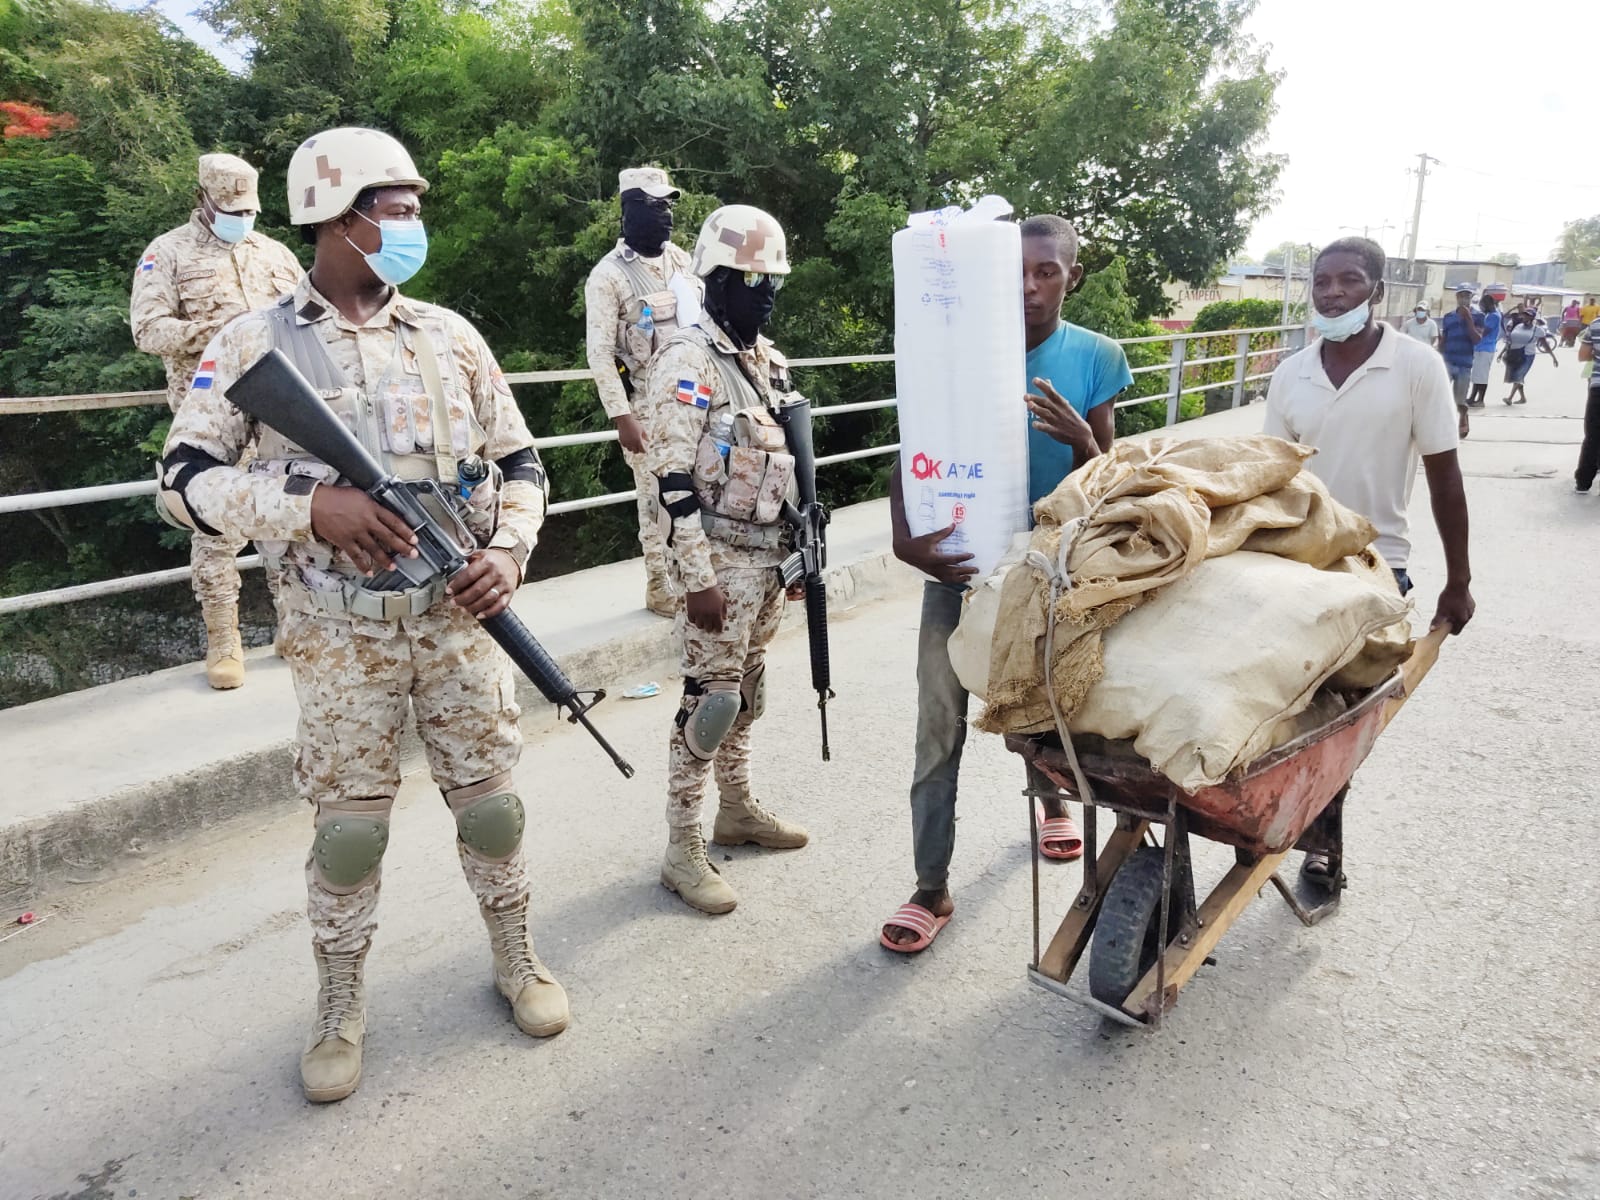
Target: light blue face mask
{"points": [[401, 253], [1346, 325], [231, 227]]}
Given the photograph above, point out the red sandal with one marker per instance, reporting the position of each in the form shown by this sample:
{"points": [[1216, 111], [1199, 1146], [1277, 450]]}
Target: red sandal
{"points": [[1053, 831]]}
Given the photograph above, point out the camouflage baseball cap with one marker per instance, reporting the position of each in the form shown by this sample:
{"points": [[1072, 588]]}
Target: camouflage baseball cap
{"points": [[652, 181], [743, 238], [229, 181], [330, 169]]}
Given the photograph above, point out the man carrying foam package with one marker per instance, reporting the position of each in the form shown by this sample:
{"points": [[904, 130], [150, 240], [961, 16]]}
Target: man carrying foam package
{"points": [[1075, 375], [1372, 403]]}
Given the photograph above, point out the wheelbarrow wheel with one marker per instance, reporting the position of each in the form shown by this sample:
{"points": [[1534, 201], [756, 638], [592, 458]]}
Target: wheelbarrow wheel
{"points": [[1126, 940]]}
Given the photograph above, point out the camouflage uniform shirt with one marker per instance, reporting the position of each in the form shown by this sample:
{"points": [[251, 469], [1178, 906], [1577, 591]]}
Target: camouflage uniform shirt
{"points": [[189, 283], [607, 293], [270, 501], [684, 374]]}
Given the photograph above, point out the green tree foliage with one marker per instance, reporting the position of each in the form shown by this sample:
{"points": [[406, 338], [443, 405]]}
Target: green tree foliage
{"points": [[1579, 246], [1237, 314], [1139, 119]]}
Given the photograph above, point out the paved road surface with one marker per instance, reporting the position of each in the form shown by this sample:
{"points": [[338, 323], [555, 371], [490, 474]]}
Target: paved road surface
{"points": [[1439, 1037]]}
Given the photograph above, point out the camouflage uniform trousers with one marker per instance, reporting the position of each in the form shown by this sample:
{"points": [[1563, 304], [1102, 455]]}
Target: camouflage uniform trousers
{"points": [[214, 564], [353, 679], [755, 601], [651, 538]]}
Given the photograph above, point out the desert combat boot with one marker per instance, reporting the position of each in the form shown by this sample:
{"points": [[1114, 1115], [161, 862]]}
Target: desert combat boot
{"points": [[741, 819], [330, 1068], [224, 649], [687, 871], [538, 1002]]}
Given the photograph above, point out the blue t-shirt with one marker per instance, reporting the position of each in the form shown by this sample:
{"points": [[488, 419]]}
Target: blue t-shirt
{"points": [[1491, 332], [1460, 339], [1088, 369]]}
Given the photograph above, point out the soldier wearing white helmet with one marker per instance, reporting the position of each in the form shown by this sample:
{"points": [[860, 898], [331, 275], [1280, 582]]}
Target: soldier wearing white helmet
{"points": [[632, 301], [188, 283], [419, 387], [723, 473]]}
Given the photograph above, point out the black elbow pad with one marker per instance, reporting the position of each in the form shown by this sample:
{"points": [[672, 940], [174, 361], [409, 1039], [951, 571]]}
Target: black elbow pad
{"points": [[179, 469], [525, 465]]}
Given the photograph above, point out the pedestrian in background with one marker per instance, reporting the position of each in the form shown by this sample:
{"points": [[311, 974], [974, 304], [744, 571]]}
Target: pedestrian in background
{"points": [[1483, 353], [1458, 336], [1422, 327]]}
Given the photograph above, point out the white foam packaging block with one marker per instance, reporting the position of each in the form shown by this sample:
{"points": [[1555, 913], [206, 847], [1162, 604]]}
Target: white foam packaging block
{"points": [[960, 377]]}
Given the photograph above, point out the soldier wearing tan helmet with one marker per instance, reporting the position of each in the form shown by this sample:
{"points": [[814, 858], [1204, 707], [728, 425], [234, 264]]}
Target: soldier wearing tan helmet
{"points": [[189, 283], [723, 473], [631, 301], [419, 387]]}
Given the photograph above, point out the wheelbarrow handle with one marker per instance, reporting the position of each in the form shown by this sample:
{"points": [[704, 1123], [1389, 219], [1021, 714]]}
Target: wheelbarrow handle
{"points": [[1423, 655]]}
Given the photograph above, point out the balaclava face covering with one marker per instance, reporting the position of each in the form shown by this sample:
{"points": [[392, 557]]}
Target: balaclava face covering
{"points": [[740, 310], [646, 226]]}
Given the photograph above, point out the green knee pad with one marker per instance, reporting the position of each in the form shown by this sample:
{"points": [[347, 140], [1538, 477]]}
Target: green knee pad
{"points": [[492, 827], [347, 849]]}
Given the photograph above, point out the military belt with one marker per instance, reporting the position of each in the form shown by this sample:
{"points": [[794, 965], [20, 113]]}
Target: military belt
{"points": [[354, 601]]}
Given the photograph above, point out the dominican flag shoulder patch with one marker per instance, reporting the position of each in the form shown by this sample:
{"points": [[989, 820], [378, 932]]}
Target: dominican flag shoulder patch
{"points": [[148, 262], [697, 394], [204, 376]]}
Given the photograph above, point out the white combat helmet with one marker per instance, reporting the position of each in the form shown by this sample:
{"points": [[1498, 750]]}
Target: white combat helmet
{"points": [[330, 169]]}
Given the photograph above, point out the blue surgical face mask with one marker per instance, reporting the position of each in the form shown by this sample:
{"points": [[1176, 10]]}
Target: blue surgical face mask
{"points": [[401, 253], [1345, 325], [231, 227]]}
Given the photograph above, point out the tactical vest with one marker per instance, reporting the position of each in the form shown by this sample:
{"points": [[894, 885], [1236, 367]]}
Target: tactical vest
{"points": [[742, 488], [396, 420], [635, 347]]}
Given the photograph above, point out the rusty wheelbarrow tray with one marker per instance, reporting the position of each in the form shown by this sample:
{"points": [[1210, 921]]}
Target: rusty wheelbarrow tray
{"points": [[1290, 798]]}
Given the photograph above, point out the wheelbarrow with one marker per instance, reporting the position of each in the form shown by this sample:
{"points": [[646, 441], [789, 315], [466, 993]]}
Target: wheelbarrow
{"points": [[1137, 903]]}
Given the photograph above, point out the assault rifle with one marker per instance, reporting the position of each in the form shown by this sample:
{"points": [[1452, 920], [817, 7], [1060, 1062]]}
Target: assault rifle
{"points": [[275, 393], [810, 557]]}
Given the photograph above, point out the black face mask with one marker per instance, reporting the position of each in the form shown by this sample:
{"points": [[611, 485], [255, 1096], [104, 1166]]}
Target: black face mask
{"points": [[740, 310], [646, 222]]}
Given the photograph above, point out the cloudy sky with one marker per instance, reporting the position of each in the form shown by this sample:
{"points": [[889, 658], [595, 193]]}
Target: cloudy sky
{"points": [[1494, 90]]}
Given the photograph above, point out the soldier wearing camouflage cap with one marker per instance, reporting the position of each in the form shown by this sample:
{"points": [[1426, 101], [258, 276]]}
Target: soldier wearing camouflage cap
{"points": [[188, 284], [723, 473], [631, 303], [420, 388]]}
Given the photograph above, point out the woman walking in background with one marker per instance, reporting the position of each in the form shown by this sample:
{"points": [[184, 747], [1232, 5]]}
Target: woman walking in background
{"points": [[1521, 344]]}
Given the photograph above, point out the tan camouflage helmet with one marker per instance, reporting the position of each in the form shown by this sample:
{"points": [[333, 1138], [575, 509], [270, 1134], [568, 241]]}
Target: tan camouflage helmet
{"points": [[743, 238], [330, 169], [230, 182]]}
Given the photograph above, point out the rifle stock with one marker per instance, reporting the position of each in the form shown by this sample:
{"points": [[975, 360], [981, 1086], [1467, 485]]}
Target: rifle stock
{"points": [[274, 392]]}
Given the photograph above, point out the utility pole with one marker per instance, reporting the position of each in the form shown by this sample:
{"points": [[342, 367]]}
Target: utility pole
{"points": [[1288, 271], [1416, 212]]}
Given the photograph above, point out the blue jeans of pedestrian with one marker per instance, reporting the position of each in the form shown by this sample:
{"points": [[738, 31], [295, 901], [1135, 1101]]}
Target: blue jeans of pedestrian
{"points": [[941, 734]]}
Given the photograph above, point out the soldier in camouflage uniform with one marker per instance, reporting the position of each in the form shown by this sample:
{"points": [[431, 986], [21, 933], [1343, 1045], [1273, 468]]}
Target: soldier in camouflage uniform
{"points": [[421, 390], [632, 310], [723, 472], [190, 282]]}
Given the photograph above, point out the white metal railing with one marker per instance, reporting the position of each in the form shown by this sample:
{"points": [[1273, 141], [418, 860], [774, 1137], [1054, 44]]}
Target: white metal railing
{"points": [[1290, 337]]}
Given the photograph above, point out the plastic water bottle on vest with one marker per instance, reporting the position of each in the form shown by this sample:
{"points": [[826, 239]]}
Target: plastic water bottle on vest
{"points": [[960, 375], [647, 321]]}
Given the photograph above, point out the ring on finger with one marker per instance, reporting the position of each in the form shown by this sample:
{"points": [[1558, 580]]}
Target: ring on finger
{"points": [[494, 592]]}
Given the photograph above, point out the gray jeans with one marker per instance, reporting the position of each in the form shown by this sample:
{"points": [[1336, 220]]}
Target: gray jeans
{"points": [[941, 733]]}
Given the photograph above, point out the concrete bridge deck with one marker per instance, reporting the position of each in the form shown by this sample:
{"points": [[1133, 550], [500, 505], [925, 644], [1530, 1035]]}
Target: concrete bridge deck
{"points": [[1436, 1038]]}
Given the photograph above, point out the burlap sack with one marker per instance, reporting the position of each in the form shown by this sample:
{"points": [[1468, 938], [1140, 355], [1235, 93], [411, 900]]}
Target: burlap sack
{"points": [[1300, 521], [1385, 649], [1201, 675], [1145, 514]]}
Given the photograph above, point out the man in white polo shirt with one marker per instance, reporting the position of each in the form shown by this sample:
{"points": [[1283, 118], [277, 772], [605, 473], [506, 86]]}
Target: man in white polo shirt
{"points": [[1373, 402]]}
